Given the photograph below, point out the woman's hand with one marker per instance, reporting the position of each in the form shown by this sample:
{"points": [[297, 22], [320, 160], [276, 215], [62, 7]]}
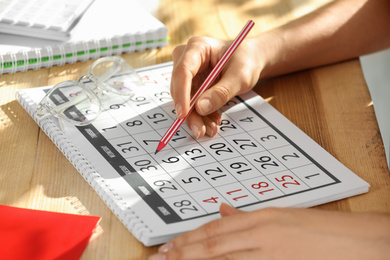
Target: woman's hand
{"points": [[284, 233], [192, 64]]}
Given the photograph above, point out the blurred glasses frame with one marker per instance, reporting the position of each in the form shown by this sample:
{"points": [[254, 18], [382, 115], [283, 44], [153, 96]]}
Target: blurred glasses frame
{"points": [[95, 94]]}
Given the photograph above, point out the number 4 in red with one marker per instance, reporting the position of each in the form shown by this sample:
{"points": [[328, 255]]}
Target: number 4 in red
{"points": [[211, 200]]}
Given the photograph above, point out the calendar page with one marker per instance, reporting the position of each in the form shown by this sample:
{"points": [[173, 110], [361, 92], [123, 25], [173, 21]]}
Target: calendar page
{"points": [[257, 159]]}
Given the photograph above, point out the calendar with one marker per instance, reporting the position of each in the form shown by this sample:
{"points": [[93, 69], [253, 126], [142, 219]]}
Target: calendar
{"points": [[257, 159]]}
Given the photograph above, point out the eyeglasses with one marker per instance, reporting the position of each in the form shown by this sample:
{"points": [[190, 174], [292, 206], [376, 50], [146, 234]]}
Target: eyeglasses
{"points": [[80, 102]]}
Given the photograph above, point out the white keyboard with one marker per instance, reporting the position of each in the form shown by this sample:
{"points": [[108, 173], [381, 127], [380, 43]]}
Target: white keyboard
{"points": [[48, 19]]}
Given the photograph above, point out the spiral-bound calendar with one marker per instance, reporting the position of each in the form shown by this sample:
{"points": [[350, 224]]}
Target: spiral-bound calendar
{"points": [[257, 159]]}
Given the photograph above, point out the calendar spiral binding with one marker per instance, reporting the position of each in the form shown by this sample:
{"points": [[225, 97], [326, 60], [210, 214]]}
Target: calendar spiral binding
{"points": [[49, 56], [117, 205]]}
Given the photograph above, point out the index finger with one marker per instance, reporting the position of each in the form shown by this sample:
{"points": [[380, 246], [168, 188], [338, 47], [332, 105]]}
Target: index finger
{"points": [[225, 225]]}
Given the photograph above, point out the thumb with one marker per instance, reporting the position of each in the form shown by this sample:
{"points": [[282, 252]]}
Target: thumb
{"points": [[218, 95], [227, 210]]}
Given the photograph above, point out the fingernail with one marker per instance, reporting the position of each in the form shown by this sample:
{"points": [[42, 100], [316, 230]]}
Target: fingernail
{"points": [[179, 110], [210, 130], [165, 248], [195, 130], [205, 106], [157, 257]]}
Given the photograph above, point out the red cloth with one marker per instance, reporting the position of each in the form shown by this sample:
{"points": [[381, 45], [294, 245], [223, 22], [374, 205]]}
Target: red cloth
{"points": [[36, 234]]}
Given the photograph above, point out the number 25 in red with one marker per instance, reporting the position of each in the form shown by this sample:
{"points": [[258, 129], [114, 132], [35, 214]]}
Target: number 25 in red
{"points": [[288, 180]]}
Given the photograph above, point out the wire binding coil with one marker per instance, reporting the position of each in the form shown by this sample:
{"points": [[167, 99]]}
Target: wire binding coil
{"points": [[61, 50], [49, 51], [13, 62]]}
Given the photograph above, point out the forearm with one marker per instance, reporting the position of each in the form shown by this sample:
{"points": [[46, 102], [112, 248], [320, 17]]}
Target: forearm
{"points": [[341, 30]]}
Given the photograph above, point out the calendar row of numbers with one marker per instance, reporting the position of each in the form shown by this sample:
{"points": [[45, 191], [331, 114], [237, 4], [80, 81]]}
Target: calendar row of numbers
{"points": [[261, 163], [203, 198], [115, 120]]}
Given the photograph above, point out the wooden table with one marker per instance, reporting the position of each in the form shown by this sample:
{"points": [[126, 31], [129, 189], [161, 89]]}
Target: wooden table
{"points": [[331, 104]]}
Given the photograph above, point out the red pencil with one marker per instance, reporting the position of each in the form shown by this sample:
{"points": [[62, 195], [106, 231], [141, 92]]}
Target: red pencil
{"points": [[207, 83]]}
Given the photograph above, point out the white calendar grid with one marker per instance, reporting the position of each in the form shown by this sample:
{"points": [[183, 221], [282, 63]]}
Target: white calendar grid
{"points": [[249, 162]]}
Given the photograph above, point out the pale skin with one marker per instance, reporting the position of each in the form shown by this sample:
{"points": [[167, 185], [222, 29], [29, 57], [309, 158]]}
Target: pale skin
{"points": [[281, 234], [341, 30]]}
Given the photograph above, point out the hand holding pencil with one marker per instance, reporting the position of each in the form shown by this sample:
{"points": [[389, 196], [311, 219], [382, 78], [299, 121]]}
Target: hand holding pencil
{"points": [[201, 57]]}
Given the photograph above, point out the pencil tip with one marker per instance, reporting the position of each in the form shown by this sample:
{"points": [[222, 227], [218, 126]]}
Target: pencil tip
{"points": [[155, 152]]}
